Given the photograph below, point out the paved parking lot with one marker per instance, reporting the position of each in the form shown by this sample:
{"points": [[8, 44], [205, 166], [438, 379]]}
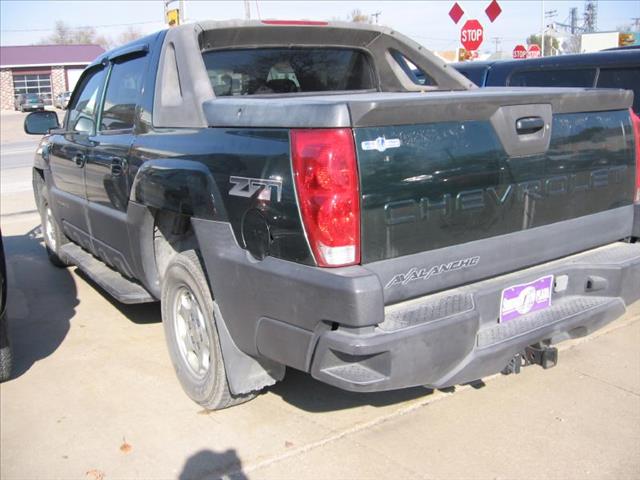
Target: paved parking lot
{"points": [[94, 397]]}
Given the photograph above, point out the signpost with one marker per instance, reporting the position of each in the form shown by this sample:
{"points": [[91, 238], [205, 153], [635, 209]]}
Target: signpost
{"points": [[471, 35], [534, 51], [519, 52]]}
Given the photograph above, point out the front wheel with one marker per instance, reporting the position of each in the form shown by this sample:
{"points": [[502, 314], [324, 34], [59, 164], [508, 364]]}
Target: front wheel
{"points": [[51, 231], [192, 336]]}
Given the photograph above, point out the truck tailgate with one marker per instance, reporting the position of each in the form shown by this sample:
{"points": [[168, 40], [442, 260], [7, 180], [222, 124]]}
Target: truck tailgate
{"points": [[490, 184]]}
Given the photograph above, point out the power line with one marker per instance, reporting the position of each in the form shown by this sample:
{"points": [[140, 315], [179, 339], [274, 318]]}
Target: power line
{"points": [[81, 28]]}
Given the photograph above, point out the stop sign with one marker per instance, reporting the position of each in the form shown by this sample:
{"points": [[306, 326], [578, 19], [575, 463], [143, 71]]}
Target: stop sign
{"points": [[519, 52], [534, 51], [471, 35]]}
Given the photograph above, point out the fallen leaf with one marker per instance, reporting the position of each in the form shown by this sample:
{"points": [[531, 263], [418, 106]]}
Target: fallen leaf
{"points": [[95, 474], [125, 447]]}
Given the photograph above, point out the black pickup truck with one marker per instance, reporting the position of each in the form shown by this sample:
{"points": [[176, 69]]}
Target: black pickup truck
{"points": [[295, 197]]}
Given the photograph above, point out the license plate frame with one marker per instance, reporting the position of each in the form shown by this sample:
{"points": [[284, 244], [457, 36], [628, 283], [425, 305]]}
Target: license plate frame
{"points": [[519, 300]]}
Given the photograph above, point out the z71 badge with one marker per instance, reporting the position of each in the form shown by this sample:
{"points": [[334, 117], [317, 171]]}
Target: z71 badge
{"points": [[247, 187]]}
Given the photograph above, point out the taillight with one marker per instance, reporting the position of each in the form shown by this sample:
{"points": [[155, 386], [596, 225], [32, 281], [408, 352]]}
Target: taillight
{"points": [[326, 179], [636, 128]]}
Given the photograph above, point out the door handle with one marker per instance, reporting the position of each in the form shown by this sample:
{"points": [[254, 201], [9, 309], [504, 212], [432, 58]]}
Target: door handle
{"points": [[79, 160], [118, 166], [528, 125]]}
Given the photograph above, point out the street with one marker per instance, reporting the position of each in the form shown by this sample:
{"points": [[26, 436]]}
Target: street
{"points": [[94, 395]]}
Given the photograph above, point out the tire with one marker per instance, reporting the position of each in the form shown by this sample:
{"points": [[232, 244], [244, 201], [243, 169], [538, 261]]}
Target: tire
{"points": [[5, 351], [51, 231], [5, 363], [192, 336]]}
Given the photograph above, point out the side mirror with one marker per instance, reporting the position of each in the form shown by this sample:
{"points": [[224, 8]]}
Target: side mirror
{"points": [[39, 123]]}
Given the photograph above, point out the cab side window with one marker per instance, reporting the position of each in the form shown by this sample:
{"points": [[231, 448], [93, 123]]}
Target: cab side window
{"points": [[124, 92], [82, 114]]}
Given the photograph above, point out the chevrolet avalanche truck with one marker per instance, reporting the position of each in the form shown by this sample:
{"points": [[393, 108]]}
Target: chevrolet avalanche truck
{"points": [[295, 197]]}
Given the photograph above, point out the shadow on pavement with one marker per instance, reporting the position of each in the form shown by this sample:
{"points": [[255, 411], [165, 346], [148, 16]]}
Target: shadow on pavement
{"points": [[41, 300], [207, 464], [303, 391]]}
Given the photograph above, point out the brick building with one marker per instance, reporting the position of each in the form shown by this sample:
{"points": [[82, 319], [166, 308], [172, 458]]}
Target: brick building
{"points": [[43, 69]]}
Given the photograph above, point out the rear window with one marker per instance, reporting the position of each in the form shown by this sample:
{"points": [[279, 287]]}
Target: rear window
{"points": [[287, 70], [582, 77], [626, 78]]}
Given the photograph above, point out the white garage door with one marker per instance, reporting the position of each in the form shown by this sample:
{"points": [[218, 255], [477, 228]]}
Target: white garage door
{"points": [[73, 74]]}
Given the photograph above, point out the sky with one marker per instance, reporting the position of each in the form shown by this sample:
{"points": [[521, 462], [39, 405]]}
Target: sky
{"points": [[27, 22]]}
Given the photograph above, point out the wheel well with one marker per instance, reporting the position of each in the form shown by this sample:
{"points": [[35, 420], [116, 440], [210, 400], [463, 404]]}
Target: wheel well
{"points": [[172, 234]]}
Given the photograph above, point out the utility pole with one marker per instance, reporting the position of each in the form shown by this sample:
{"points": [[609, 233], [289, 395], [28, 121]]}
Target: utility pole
{"points": [[636, 23], [376, 15], [542, 32], [497, 41], [247, 10]]}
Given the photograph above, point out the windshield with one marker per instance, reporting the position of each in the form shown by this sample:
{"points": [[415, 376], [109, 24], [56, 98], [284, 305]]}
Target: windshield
{"points": [[32, 96], [259, 71]]}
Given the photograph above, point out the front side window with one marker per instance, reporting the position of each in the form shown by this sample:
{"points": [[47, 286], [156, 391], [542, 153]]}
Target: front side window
{"points": [[124, 91], [82, 114], [260, 71], [579, 77]]}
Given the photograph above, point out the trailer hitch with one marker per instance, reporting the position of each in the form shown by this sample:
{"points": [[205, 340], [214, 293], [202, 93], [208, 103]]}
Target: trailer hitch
{"points": [[537, 354], [543, 355]]}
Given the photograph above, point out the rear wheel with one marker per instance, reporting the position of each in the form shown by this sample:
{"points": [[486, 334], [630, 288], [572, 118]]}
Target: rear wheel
{"points": [[192, 336]]}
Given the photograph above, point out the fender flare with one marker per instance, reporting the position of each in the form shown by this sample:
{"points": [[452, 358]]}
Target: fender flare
{"points": [[182, 186]]}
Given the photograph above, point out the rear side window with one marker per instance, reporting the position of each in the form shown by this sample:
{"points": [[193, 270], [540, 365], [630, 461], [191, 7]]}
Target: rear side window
{"points": [[260, 71], [626, 78], [580, 77], [124, 91]]}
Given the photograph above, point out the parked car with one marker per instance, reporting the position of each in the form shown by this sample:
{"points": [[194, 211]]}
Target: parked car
{"points": [[61, 100], [5, 347], [614, 68], [28, 101], [329, 211]]}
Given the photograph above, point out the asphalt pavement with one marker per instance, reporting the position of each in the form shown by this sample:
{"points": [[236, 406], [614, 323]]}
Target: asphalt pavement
{"points": [[94, 396]]}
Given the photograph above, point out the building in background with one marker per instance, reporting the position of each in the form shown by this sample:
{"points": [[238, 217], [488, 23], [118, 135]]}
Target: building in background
{"points": [[594, 42], [43, 69]]}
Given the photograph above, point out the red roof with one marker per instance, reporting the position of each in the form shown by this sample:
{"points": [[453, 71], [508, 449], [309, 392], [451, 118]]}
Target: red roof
{"points": [[40, 55]]}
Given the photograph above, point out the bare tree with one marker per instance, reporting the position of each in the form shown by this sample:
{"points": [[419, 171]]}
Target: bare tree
{"points": [[65, 35], [571, 44], [129, 35], [359, 17], [551, 44]]}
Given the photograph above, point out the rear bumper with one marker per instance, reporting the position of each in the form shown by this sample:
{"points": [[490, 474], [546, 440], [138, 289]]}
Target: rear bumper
{"points": [[334, 323], [454, 337]]}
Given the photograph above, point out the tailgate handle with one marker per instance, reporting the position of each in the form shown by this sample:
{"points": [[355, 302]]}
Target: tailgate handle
{"points": [[528, 125]]}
